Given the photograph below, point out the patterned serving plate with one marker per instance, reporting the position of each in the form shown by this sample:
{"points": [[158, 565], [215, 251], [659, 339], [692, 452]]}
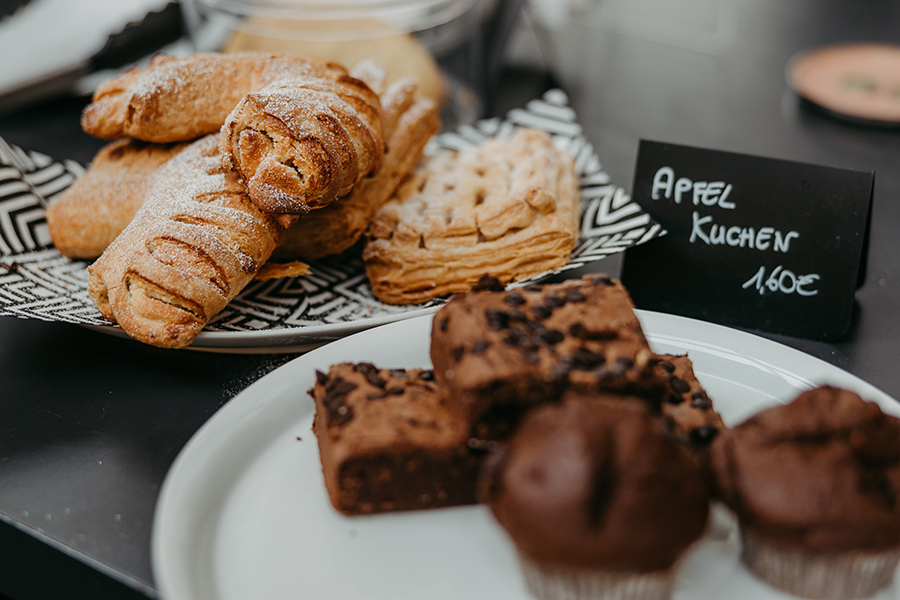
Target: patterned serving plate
{"points": [[291, 314]]}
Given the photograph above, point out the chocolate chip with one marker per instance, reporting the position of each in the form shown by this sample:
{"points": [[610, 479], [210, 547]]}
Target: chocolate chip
{"points": [[574, 295], [700, 399], [321, 377], [443, 323], [344, 387], [541, 311], [480, 346], [680, 386], [340, 386], [585, 359], [515, 314], [553, 300], [533, 287], [393, 391], [339, 414], [496, 318], [398, 373], [673, 398], [667, 366], [427, 375], [551, 337], [578, 330], [703, 435], [375, 379], [514, 299], [338, 411], [601, 280], [458, 353], [486, 283], [515, 336], [365, 368]]}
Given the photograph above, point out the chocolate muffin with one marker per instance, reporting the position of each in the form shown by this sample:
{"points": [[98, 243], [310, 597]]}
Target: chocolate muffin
{"points": [[815, 485], [598, 498]]}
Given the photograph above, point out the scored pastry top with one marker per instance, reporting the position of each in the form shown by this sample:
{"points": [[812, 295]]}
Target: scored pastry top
{"points": [[506, 207]]}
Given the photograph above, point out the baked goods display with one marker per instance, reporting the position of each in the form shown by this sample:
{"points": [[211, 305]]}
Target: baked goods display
{"points": [[389, 442], [599, 500], [175, 99], [507, 207], [100, 204], [323, 152], [601, 461], [303, 141], [194, 244], [815, 485], [497, 353], [409, 123]]}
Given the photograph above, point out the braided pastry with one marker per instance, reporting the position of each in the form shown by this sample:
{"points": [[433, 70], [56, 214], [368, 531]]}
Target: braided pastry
{"points": [[409, 123], [196, 242], [300, 145], [178, 99]]}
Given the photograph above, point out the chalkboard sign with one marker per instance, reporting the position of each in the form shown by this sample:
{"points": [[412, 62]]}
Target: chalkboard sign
{"points": [[760, 243]]}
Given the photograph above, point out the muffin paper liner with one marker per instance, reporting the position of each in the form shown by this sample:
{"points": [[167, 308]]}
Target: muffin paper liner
{"points": [[36, 282], [557, 583], [810, 574]]}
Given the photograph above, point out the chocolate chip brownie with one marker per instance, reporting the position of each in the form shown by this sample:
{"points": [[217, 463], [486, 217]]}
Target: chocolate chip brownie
{"points": [[687, 407], [388, 441], [496, 353]]}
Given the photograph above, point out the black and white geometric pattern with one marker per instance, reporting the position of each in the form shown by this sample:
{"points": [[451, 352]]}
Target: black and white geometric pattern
{"points": [[36, 282]]}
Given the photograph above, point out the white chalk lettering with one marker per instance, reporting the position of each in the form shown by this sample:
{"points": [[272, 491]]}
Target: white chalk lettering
{"points": [[659, 183], [763, 237], [783, 243], [681, 186], [697, 228], [722, 203], [732, 236], [713, 234], [706, 193]]}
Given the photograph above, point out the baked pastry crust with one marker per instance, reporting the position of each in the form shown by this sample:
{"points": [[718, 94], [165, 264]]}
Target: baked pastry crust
{"points": [[178, 99], [409, 123], [196, 242], [302, 142], [99, 205], [508, 208]]}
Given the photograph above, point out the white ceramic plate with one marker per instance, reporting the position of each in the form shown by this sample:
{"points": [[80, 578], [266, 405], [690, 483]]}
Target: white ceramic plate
{"points": [[243, 513]]}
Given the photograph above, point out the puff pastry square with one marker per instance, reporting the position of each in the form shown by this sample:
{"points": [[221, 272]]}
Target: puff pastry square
{"points": [[507, 208]]}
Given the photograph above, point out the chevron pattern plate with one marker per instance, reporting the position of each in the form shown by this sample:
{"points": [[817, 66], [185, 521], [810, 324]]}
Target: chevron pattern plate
{"points": [[36, 282]]}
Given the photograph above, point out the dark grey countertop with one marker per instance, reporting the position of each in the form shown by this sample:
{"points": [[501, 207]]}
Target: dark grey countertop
{"points": [[91, 423]]}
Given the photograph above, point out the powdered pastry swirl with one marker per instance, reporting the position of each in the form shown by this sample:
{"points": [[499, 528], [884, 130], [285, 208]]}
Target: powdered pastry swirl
{"points": [[178, 99], [301, 143], [196, 242]]}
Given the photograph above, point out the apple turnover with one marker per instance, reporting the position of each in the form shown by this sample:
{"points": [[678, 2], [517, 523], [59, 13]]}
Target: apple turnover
{"points": [[507, 207], [196, 242]]}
